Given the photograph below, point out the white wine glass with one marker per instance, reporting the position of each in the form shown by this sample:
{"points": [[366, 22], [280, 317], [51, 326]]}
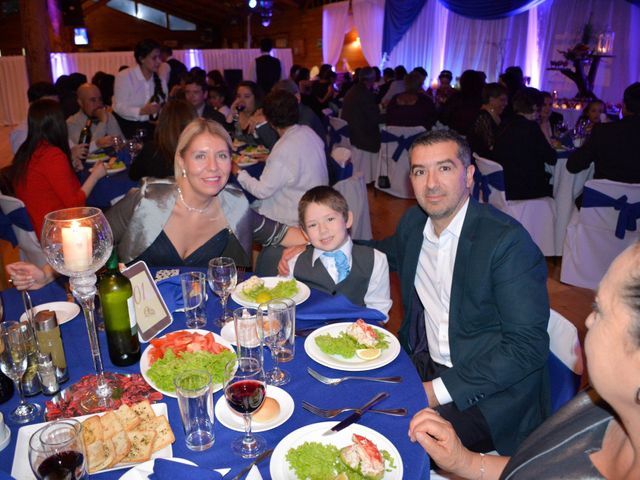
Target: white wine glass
{"points": [[274, 325], [223, 277], [14, 355]]}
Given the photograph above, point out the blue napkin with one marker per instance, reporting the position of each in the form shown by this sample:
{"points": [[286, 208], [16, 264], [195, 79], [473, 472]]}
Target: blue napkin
{"points": [[321, 306], [168, 470], [171, 291]]}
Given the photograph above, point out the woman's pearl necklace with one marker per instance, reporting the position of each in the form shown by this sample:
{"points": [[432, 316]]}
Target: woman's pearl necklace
{"points": [[193, 209]]}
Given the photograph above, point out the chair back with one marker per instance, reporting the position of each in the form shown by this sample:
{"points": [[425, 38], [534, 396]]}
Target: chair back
{"points": [[605, 225], [489, 182], [565, 360], [393, 159], [339, 165], [16, 228], [354, 190], [338, 133]]}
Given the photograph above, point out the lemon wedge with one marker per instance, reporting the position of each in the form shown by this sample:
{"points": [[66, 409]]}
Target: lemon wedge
{"points": [[368, 353], [263, 297], [342, 476]]}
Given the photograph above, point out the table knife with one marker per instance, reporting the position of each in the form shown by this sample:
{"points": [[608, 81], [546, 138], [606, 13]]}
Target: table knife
{"points": [[264, 455], [355, 416]]}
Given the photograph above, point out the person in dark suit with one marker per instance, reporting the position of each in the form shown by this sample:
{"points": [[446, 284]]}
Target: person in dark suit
{"points": [[475, 300], [614, 148], [523, 150], [267, 69], [361, 112], [176, 68], [195, 92]]}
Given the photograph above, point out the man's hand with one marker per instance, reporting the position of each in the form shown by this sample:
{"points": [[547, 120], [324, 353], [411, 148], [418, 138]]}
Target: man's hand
{"points": [[150, 109], [287, 254], [104, 142], [101, 114], [78, 154], [431, 394]]}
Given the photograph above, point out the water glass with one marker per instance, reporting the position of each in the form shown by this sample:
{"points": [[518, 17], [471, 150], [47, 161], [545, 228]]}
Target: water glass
{"points": [[288, 349], [57, 451], [195, 400], [275, 326], [247, 330], [223, 277], [193, 295]]}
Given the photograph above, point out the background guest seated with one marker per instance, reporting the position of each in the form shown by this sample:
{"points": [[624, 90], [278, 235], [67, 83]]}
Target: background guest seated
{"points": [[41, 172], [522, 150], [597, 434], [550, 121], [195, 92], [188, 220], [248, 101], [483, 132], [157, 156], [412, 108]]}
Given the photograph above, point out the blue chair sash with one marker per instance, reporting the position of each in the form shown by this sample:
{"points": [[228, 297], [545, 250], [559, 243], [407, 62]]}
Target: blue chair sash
{"points": [[335, 135], [564, 382], [17, 217], [629, 212], [482, 183], [337, 172], [403, 142]]}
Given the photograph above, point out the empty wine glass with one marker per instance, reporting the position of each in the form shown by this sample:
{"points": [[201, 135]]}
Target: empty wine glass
{"points": [[245, 390], [274, 325], [222, 276], [134, 146], [57, 451], [13, 363]]}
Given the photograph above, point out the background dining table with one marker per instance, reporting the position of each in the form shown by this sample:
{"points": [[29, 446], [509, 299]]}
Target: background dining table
{"points": [[409, 393], [108, 190]]}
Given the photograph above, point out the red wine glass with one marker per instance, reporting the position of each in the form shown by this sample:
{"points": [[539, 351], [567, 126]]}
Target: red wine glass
{"points": [[244, 389], [57, 451]]}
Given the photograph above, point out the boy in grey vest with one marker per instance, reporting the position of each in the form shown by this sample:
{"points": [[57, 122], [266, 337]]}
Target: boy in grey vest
{"points": [[332, 263]]}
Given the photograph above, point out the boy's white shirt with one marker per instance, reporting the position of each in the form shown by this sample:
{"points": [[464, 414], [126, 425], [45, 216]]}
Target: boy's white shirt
{"points": [[378, 294]]}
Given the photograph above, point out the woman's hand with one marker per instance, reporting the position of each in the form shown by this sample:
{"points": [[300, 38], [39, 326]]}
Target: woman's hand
{"points": [[99, 170], [27, 276], [440, 441]]}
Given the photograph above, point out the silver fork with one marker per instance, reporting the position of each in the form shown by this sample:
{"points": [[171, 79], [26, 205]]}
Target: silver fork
{"points": [[336, 381], [330, 413]]}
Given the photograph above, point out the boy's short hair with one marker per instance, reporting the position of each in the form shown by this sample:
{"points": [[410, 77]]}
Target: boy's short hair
{"points": [[326, 196]]}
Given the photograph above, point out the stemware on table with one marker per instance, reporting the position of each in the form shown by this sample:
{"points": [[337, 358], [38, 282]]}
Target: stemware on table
{"points": [[275, 325], [77, 242], [57, 451], [245, 391], [223, 277], [14, 353]]}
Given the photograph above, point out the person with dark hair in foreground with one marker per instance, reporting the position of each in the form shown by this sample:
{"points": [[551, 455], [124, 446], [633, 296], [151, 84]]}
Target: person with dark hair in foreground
{"points": [[474, 292], [614, 148], [595, 435]]}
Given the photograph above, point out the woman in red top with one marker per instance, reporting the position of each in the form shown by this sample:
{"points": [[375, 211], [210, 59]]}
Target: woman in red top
{"points": [[41, 173]]}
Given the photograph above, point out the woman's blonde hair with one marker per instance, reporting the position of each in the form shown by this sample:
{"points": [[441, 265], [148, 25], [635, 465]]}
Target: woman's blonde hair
{"points": [[191, 131]]}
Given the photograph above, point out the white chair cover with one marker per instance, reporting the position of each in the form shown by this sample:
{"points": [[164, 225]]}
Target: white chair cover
{"points": [[354, 190], [338, 133], [393, 159], [537, 215], [565, 359], [591, 244], [365, 162], [30, 250]]}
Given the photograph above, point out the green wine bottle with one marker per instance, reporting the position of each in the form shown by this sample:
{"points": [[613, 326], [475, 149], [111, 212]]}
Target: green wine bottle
{"points": [[117, 309]]}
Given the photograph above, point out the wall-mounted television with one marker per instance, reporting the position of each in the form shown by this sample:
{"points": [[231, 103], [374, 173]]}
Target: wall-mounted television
{"points": [[80, 36]]}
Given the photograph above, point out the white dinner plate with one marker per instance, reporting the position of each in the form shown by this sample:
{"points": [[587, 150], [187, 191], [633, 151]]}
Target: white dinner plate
{"points": [[355, 364], [233, 421], [144, 361], [113, 171], [270, 282], [96, 157], [228, 332], [22, 470], [65, 311], [279, 466]]}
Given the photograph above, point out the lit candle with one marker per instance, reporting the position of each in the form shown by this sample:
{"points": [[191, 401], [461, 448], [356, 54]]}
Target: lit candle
{"points": [[434, 85], [77, 247]]}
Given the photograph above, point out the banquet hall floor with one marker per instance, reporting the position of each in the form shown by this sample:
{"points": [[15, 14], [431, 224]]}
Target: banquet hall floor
{"points": [[572, 302]]}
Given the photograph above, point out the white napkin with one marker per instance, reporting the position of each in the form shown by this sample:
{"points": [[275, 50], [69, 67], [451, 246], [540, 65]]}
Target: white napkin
{"points": [[254, 474]]}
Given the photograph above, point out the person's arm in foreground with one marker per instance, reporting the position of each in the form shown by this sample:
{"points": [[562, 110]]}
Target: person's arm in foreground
{"points": [[27, 276]]}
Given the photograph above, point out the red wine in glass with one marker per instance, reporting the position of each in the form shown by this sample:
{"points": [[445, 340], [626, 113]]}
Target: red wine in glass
{"points": [[61, 466], [245, 396]]}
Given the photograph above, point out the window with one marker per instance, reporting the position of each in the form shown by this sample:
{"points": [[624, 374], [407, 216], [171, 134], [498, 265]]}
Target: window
{"points": [[177, 23]]}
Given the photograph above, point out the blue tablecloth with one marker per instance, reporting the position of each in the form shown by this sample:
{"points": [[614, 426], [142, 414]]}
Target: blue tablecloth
{"points": [[111, 186], [409, 394]]}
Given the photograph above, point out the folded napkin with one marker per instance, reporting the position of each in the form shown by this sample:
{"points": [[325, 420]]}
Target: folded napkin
{"points": [[168, 470], [321, 307], [171, 291]]}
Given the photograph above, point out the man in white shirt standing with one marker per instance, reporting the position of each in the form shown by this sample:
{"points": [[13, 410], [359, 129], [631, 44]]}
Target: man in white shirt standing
{"points": [[476, 307]]}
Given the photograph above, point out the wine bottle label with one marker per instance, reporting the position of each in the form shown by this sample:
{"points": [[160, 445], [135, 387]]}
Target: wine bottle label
{"points": [[132, 316]]}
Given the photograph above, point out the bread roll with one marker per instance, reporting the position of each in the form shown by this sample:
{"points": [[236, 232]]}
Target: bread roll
{"points": [[269, 410]]}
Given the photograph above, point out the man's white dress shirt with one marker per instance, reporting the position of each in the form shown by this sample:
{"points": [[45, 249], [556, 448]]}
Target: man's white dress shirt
{"points": [[434, 276], [131, 92]]}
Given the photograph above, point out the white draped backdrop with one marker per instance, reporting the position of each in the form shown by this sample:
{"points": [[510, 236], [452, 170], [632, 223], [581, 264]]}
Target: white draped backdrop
{"points": [[440, 39], [13, 73]]}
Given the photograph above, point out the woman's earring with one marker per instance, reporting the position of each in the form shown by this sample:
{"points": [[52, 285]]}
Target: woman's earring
{"points": [[184, 173]]}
